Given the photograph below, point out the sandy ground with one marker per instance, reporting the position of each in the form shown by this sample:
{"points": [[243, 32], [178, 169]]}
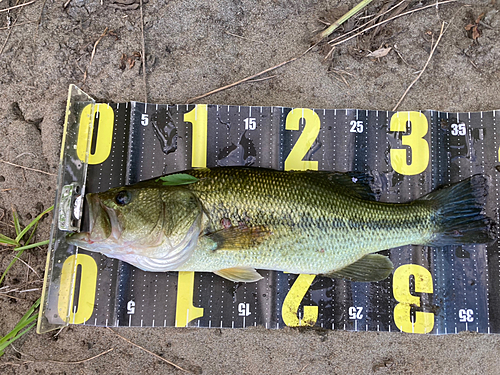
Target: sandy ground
{"points": [[191, 48]]}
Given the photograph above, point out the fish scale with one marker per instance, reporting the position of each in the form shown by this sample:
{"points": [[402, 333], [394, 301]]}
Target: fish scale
{"points": [[316, 227]]}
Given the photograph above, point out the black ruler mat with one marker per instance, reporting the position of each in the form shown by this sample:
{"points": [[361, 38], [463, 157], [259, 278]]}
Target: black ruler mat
{"points": [[432, 290]]}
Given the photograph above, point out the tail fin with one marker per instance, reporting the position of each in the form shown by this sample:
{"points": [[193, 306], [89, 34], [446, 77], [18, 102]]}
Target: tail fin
{"points": [[460, 213]]}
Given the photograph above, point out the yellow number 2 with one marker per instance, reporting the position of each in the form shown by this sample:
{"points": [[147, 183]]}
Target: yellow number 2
{"points": [[306, 139], [424, 321], [293, 300], [415, 140]]}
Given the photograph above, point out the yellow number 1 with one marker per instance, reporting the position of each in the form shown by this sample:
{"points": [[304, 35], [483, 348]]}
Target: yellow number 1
{"points": [[198, 117], [185, 311]]}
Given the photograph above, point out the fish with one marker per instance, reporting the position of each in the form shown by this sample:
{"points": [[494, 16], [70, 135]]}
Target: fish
{"points": [[234, 220]]}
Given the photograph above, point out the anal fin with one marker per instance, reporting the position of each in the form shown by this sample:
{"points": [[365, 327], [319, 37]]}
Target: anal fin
{"points": [[372, 267], [240, 274]]}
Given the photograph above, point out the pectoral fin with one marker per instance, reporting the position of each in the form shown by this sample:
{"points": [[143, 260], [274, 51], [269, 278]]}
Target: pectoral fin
{"points": [[372, 267], [236, 238], [240, 274]]}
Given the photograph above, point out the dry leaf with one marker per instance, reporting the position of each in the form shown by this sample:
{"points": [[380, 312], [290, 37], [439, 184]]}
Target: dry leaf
{"points": [[381, 52], [122, 61], [131, 62], [475, 33]]}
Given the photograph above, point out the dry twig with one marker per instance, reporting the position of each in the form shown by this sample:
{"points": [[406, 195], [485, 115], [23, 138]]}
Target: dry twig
{"points": [[242, 37], [17, 6], [28, 168], [77, 362], [423, 69], [387, 20], [93, 53], [27, 265], [61, 362], [10, 28], [143, 57], [249, 78], [261, 79], [252, 77], [148, 351], [366, 23], [16, 24]]}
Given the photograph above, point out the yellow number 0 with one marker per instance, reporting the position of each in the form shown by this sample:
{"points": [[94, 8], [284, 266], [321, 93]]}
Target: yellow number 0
{"points": [[104, 138], [424, 321], [418, 145], [86, 295]]}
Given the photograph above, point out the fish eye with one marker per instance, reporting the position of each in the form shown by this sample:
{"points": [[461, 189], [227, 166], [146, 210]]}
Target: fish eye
{"points": [[122, 198]]}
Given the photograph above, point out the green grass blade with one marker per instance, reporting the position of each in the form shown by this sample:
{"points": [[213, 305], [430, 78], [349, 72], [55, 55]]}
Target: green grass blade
{"points": [[31, 235], [17, 226], [7, 241], [341, 20], [10, 265], [27, 322], [3, 346], [27, 318], [20, 234], [19, 253], [41, 243]]}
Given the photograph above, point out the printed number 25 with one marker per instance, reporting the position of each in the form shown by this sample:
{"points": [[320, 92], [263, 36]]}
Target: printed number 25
{"points": [[415, 140]]}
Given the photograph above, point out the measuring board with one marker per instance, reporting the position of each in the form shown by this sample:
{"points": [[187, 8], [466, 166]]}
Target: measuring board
{"points": [[408, 154]]}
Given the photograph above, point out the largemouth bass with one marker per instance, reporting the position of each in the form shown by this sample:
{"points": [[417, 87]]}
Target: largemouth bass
{"points": [[232, 221]]}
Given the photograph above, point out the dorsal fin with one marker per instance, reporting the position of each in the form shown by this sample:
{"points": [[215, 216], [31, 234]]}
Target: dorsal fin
{"points": [[177, 179], [357, 184]]}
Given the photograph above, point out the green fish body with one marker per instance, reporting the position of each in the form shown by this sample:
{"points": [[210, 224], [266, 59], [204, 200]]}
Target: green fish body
{"points": [[233, 220]]}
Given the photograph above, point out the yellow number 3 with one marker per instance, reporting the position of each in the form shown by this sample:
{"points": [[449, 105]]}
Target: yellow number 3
{"points": [[418, 145], [424, 321]]}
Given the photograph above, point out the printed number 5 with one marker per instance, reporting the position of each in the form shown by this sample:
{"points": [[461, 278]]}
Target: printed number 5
{"points": [[415, 140]]}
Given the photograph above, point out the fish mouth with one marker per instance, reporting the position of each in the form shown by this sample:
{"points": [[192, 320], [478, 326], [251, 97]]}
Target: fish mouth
{"points": [[103, 224]]}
